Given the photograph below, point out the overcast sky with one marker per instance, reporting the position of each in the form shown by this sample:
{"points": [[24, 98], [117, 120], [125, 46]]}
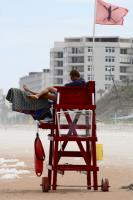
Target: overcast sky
{"points": [[28, 29]]}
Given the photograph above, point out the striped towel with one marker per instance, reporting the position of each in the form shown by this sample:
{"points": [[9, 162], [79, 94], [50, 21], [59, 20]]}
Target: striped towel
{"points": [[20, 101]]}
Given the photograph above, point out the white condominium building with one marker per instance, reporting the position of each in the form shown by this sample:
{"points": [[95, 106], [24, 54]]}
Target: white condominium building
{"points": [[113, 60], [36, 81]]}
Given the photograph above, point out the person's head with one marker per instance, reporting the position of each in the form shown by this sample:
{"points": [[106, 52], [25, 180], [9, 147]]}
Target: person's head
{"points": [[74, 75]]}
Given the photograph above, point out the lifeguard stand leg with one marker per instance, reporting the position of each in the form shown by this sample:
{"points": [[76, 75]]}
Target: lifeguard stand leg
{"points": [[88, 172], [55, 162], [94, 161], [88, 151], [50, 160], [94, 164]]}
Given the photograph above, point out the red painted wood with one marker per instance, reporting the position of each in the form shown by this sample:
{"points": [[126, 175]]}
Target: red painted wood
{"points": [[70, 98]]}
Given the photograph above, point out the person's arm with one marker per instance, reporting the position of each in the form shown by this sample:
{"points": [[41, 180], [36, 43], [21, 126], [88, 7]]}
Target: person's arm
{"points": [[28, 90]]}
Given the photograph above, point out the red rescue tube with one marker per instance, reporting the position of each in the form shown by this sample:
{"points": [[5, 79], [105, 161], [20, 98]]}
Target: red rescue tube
{"points": [[39, 156]]}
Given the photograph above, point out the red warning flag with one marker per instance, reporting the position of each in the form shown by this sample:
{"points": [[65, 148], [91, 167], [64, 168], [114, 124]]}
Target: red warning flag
{"points": [[108, 14]]}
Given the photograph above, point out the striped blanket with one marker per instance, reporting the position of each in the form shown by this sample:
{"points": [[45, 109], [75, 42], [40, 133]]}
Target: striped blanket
{"points": [[21, 103]]}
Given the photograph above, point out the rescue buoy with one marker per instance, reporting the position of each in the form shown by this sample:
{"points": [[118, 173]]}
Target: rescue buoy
{"points": [[39, 156]]}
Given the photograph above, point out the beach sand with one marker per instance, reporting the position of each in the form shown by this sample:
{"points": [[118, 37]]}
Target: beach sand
{"points": [[17, 153]]}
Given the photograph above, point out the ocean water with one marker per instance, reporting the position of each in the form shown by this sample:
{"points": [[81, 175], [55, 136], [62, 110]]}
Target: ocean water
{"points": [[117, 143], [17, 145]]}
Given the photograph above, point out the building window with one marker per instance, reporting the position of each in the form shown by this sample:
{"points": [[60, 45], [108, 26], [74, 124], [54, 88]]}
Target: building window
{"points": [[126, 60], [60, 55], [59, 64], [46, 70], [80, 68], [76, 50], [123, 69], [110, 68], [79, 59], [81, 76], [123, 51], [58, 81], [107, 86], [89, 49], [89, 58], [109, 77], [89, 77], [109, 49], [58, 72], [109, 59], [123, 77], [89, 68]]}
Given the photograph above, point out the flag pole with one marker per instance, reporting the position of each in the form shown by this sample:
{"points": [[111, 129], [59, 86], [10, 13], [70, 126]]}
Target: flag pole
{"points": [[93, 42]]}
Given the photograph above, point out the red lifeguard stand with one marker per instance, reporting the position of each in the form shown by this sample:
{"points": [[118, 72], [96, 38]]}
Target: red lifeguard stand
{"points": [[81, 100]]}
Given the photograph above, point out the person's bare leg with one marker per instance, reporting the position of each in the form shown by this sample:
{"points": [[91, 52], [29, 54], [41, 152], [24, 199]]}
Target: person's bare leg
{"points": [[28, 90], [37, 96], [33, 96], [43, 93], [49, 96]]}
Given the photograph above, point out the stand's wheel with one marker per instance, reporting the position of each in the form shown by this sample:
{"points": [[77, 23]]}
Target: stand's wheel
{"points": [[105, 185], [45, 184]]}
